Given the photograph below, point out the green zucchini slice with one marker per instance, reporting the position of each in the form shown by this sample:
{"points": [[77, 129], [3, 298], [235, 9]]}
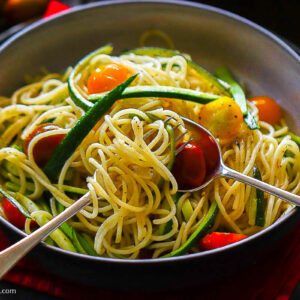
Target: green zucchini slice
{"points": [[15, 202], [235, 89], [79, 242], [238, 95], [205, 225], [163, 92]]}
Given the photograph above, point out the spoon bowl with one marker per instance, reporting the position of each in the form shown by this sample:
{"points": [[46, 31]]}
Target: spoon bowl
{"points": [[221, 170], [213, 172]]}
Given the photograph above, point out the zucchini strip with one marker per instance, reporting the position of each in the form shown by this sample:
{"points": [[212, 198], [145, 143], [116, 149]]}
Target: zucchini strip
{"points": [[49, 241], [238, 95], [65, 227], [74, 93], [72, 189], [203, 228], [17, 147], [76, 242], [187, 210], [162, 92], [76, 135], [14, 182], [57, 235], [293, 136], [80, 243], [60, 207], [11, 168], [15, 202], [235, 89], [12, 187], [205, 75], [42, 203], [167, 227], [86, 245]]}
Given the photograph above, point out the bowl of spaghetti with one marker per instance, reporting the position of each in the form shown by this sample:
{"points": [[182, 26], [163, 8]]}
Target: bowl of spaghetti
{"points": [[65, 133]]}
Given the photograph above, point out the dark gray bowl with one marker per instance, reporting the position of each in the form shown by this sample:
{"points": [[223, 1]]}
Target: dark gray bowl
{"points": [[213, 37]]}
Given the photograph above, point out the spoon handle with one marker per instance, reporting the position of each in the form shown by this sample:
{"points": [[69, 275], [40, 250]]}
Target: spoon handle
{"points": [[277, 192], [10, 256]]}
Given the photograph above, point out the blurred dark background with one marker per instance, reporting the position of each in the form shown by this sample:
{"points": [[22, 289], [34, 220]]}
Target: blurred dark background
{"points": [[279, 16]]}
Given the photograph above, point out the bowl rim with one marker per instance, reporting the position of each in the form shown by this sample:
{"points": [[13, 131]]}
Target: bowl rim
{"points": [[272, 37]]}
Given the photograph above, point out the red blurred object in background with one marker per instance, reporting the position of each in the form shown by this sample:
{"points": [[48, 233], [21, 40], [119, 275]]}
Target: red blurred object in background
{"points": [[17, 11], [55, 7]]}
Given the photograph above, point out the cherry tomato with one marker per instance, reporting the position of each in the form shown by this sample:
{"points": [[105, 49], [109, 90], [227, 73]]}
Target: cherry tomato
{"points": [[220, 239], [45, 147], [189, 168], [106, 78], [210, 151], [13, 214], [268, 109], [222, 117]]}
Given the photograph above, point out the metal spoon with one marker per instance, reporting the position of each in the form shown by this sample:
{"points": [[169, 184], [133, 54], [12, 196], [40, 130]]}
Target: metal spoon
{"points": [[222, 170]]}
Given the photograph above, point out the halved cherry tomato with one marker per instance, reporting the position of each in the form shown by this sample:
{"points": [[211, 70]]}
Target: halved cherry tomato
{"points": [[45, 147], [220, 239], [189, 168], [210, 151], [106, 78], [13, 214], [268, 109], [222, 117]]}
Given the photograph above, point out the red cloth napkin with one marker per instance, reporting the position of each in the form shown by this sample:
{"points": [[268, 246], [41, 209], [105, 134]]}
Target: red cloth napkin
{"points": [[274, 278]]}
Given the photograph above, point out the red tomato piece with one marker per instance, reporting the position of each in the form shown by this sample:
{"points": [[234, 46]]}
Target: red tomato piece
{"points": [[220, 239], [13, 214], [45, 147], [189, 168], [268, 109], [106, 78], [210, 151]]}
